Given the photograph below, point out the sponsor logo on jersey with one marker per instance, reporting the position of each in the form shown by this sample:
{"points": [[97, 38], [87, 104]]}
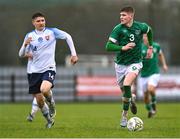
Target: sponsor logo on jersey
{"points": [[40, 39]]}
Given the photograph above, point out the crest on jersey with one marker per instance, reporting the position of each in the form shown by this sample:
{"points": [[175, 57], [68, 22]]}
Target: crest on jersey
{"points": [[137, 32], [40, 39], [47, 37], [155, 50]]}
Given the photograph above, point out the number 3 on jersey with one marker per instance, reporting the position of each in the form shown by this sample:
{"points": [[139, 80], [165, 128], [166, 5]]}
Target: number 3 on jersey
{"points": [[131, 37]]}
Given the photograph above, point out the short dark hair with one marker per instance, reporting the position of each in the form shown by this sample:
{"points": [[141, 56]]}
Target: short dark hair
{"points": [[128, 9], [37, 15]]}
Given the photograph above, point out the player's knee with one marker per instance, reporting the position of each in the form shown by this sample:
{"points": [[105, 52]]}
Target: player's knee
{"points": [[151, 88], [146, 97], [125, 99], [44, 90]]}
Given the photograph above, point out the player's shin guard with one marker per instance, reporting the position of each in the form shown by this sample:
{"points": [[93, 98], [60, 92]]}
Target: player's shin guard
{"points": [[129, 101], [126, 106], [45, 112], [50, 98], [126, 97], [127, 92], [148, 107], [153, 100], [51, 103]]}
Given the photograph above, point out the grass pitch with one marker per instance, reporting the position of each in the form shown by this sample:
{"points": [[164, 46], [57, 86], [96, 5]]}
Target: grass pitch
{"points": [[88, 120]]}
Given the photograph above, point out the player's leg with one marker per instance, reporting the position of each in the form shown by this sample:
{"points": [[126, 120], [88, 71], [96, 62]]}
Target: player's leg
{"points": [[35, 82], [133, 99], [152, 84], [44, 109], [151, 90], [120, 74], [128, 81], [34, 110], [126, 98], [132, 72], [52, 109], [46, 86], [148, 104], [146, 95]]}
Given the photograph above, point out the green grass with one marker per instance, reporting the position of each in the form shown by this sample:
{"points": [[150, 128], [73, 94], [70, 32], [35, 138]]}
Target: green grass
{"points": [[88, 120]]}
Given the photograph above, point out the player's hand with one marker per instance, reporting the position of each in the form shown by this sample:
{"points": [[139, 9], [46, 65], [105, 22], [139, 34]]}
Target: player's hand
{"points": [[28, 55], [165, 68], [149, 52], [128, 46], [74, 60], [27, 42]]}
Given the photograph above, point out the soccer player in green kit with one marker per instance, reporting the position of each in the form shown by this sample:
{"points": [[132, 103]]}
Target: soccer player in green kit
{"points": [[150, 74], [126, 41]]}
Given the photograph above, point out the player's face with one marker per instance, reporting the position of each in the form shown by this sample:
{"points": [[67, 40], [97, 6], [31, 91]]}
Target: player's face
{"points": [[125, 18], [39, 23]]}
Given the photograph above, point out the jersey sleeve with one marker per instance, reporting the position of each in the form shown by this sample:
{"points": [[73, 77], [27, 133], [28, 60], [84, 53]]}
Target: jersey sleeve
{"points": [[59, 34], [115, 34], [145, 28], [23, 50]]}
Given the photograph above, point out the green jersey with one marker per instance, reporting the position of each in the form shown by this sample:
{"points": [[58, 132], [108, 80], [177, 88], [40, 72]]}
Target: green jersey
{"points": [[123, 35], [150, 66]]}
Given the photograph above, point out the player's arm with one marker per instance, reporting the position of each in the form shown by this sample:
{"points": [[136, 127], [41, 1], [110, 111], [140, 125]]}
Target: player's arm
{"points": [[59, 34], [112, 46], [150, 36], [163, 61], [150, 42], [22, 51]]}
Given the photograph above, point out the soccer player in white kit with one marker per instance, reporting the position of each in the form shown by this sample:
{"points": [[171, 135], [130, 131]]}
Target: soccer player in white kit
{"points": [[40, 45]]}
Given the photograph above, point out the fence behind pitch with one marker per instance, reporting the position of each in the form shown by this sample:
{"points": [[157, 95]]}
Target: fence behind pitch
{"points": [[81, 84]]}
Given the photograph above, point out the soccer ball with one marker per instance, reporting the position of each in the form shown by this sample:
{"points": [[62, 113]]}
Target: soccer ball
{"points": [[135, 124]]}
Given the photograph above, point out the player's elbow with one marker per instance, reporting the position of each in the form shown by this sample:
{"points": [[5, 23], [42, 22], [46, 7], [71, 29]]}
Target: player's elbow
{"points": [[107, 47], [68, 37], [21, 55]]}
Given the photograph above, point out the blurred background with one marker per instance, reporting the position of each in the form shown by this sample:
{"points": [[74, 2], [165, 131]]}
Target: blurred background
{"points": [[89, 22]]}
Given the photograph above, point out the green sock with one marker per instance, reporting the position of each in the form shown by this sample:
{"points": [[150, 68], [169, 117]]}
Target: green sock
{"points": [[153, 99], [127, 91], [148, 107], [126, 95], [126, 106]]}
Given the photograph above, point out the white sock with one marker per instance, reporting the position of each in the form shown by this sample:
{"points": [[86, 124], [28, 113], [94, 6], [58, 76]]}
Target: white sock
{"points": [[50, 98], [124, 113], [35, 107], [45, 112]]}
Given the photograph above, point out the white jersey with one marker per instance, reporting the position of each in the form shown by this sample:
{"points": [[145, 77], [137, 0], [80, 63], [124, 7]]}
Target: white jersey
{"points": [[42, 48]]}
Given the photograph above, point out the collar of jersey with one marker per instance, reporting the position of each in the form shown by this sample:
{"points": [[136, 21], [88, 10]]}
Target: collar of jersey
{"points": [[39, 32]]}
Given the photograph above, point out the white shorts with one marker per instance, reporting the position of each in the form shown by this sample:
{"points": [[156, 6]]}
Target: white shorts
{"points": [[123, 70], [151, 80]]}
